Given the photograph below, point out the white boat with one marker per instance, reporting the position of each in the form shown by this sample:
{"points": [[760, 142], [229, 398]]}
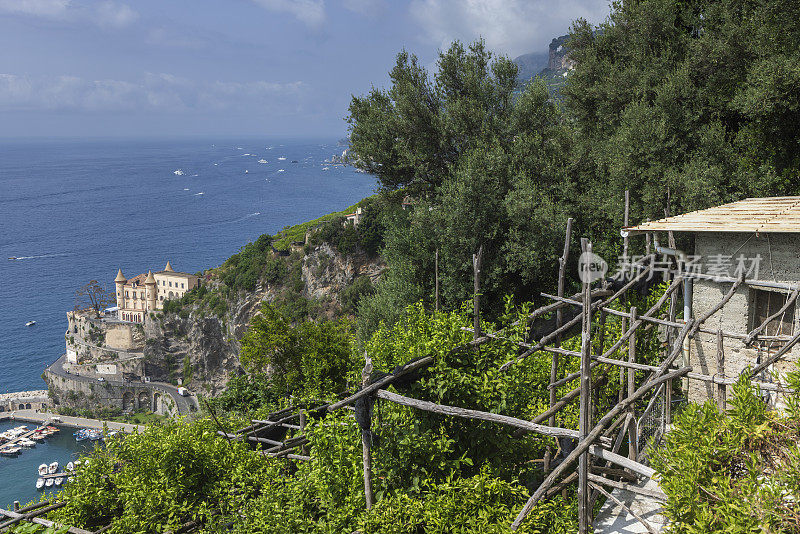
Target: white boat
{"points": [[49, 483], [39, 483], [43, 469], [30, 323], [59, 481], [27, 443], [70, 466], [52, 468]]}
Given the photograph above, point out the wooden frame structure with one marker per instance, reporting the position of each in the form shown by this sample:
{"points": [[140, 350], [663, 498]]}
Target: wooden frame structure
{"points": [[599, 438]]}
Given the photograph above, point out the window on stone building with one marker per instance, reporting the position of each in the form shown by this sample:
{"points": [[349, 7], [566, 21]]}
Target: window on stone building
{"points": [[170, 284], [182, 286], [765, 304]]}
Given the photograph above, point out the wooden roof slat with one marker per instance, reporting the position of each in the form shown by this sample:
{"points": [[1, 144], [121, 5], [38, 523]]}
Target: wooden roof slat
{"points": [[768, 214]]}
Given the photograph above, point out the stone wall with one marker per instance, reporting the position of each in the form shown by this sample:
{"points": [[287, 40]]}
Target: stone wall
{"points": [[83, 393], [780, 261], [91, 338], [24, 400]]}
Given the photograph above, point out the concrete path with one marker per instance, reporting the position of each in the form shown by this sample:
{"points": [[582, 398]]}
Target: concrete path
{"points": [[612, 519], [33, 416]]}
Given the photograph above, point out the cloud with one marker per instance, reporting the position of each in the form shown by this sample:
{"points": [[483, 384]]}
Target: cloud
{"points": [[114, 15], [106, 14], [36, 8], [153, 92], [364, 7], [510, 27], [309, 12]]}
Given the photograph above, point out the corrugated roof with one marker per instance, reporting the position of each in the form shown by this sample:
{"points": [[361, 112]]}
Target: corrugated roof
{"points": [[762, 215]]}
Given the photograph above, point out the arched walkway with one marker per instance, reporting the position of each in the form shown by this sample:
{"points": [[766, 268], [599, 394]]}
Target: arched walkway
{"points": [[127, 401], [156, 402], [144, 401]]}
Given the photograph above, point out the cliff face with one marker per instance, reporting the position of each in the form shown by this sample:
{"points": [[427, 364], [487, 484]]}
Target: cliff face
{"points": [[203, 347]]}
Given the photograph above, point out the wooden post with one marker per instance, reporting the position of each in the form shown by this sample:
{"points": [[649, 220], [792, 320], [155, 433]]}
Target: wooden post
{"points": [[436, 275], [721, 393], [622, 380], [633, 432], [476, 266], [562, 269], [366, 441], [625, 223], [303, 449], [584, 423]]}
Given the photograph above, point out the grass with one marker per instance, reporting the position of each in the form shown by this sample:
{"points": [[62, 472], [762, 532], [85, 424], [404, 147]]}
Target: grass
{"points": [[285, 237]]}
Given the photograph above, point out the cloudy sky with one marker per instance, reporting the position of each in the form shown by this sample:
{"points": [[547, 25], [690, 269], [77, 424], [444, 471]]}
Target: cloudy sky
{"points": [[251, 67]]}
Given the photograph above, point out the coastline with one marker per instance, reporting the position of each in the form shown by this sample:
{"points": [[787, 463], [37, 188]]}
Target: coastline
{"points": [[32, 416]]}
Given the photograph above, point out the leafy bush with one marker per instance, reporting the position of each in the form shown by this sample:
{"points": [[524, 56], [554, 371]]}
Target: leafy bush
{"points": [[309, 358], [243, 270], [352, 294]]}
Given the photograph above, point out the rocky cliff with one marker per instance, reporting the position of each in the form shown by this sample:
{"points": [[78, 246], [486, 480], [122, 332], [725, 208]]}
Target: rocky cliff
{"points": [[201, 345]]}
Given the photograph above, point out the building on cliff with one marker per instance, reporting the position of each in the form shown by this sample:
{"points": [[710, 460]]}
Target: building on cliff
{"points": [[147, 292]]}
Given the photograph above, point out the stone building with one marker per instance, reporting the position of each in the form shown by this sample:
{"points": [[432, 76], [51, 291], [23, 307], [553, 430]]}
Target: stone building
{"points": [[758, 240], [147, 292]]}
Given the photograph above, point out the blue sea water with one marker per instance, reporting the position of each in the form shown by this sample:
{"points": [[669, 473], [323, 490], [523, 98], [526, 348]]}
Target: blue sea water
{"points": [[73, 211], [18, 474]]}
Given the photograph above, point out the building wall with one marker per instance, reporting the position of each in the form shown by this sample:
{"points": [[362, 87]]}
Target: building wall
{"points": [[780, 261], [24, 400], [172, 286]]}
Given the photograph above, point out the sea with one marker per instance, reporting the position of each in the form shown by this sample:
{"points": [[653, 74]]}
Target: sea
{"points": [[72, 211]]}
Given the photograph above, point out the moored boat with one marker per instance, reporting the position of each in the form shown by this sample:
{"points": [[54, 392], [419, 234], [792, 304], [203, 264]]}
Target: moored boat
{"points": [[43, 469], [52, 468], [39, 483], [70, 466], [49, 483], [59, 481]]}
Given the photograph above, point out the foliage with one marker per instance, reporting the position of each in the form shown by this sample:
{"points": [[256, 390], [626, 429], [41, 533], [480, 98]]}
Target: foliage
{"points": [[736, 471], [310, 358], [244, 269], [93, 297], [159, 479], [353, 293]]}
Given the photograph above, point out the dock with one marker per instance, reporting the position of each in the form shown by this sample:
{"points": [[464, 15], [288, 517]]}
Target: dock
{"points": [[13, 443], [32, 416]]}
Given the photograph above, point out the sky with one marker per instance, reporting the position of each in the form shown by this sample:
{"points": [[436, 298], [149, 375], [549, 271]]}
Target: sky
{"points": [[100, 68]]}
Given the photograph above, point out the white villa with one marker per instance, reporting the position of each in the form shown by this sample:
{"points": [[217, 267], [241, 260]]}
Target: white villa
{"points": [[147, 292]]}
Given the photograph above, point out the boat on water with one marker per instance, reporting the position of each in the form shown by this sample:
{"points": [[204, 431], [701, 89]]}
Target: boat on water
{"points": [[10, 451], [30, 323], [49, 483], [59, 481], [12, 257], [70, 466], [88, 433], [52, 468], [39, 483], [43, 469], [27, 443]]}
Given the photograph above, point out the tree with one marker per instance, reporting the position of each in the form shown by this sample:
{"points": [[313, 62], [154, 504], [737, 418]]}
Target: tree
{"points": [[93, 297]]}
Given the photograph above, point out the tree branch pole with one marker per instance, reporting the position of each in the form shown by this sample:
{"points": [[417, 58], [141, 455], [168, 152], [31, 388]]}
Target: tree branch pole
{"points": [[436, 277], [562, 270], [633, 431], [366, 440], [721, 392], [585, 400], [590, 438], [476, 266]]}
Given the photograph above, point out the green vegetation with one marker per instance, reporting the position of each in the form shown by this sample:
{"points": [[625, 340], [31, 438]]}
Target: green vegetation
{"points": [[736, 471]]}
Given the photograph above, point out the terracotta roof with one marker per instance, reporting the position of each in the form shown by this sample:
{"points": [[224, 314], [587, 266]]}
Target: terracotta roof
{"points": [[760, 215], [138, 279]]}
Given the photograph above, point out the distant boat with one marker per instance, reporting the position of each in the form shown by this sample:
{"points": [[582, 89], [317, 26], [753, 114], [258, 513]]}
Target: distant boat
{"points": [[39, 483], [43, 469], [49, 483], [12, 257], [30, 323], [59, 481], [52, 468], [70, 466]]}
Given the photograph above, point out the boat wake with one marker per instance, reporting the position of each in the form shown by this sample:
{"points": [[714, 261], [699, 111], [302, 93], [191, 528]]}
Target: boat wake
{"points": [[41, 256]]}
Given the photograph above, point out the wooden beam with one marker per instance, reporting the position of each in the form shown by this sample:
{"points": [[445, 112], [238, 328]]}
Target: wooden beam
{"points": [[590, 438], [754, 333], [660, 495], [467, 413], [383, 382], [585, 408]]}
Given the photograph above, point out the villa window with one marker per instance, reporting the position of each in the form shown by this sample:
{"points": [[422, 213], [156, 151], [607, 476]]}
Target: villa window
{"points": [[126, 293], [170, 284], [182, 286]]}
